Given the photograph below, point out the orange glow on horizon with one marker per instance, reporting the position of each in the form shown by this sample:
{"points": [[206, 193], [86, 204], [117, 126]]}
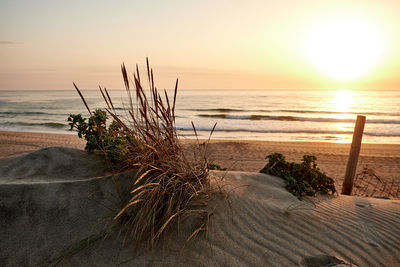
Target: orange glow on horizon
{"points": [[295, 45]]}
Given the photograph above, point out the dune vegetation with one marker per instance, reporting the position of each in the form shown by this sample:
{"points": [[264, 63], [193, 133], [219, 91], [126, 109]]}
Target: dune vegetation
{"points": [[301, 179], [168, 187]]}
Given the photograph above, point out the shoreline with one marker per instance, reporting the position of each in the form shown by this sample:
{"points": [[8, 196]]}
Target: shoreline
{"points": [[241, 155], [213, 139]]}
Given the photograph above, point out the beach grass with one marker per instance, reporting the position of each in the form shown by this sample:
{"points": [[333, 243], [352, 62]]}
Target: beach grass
{"points": [[168, 187]]}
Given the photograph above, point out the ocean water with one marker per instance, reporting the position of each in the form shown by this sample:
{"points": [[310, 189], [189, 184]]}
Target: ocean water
{"points": [[275, 115]]}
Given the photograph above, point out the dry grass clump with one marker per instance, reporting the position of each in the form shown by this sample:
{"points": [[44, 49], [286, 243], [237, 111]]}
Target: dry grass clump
{"points": [[167, 188]]}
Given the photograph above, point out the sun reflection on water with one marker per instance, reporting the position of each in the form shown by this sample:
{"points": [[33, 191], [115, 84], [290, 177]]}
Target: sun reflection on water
{"points": [[343, 102]]}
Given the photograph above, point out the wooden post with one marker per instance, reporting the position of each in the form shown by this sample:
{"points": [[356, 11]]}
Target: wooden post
{"points": [[353, 156]]}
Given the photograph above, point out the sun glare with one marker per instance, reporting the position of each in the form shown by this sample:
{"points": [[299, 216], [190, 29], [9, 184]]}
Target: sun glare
{"points": [[344, 48], [343, 100]]}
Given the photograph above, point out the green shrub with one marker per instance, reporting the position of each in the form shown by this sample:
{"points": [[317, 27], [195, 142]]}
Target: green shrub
{"points": [[300, 179], [217, 167], [114, 141]]}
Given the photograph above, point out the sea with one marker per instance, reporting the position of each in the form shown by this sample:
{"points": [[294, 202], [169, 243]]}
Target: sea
{"points": [[272, 115]]}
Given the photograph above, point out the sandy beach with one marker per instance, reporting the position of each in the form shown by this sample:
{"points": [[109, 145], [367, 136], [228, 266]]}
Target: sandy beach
{"points": [[53, 214], [55, 198], [242, 155]]}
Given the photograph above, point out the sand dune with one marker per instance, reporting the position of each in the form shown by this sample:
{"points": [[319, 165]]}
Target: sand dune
{"points": [[268, 226], [52, 164], [256, 223], [50, 199]]}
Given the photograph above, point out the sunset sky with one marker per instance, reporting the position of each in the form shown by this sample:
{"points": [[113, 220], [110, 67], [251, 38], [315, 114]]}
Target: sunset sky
{"points": [[206, 44]]}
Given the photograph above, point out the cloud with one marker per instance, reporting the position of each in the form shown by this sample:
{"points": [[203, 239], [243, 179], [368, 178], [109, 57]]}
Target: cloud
{"points": [[3, 42]]}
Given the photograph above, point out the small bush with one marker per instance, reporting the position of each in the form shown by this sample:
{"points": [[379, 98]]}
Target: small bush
{"points": [[217, 167], [300, 179], [113, 140]]}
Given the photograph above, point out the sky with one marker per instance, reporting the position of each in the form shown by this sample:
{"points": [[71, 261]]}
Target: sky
{"points": [[207, 44]]}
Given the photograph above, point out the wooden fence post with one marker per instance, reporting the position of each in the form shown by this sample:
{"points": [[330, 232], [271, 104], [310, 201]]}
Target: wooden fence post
{"points": [[353, 156]]}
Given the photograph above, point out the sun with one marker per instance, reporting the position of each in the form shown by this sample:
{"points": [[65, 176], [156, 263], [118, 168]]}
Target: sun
{"points": [[344, 48]]}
